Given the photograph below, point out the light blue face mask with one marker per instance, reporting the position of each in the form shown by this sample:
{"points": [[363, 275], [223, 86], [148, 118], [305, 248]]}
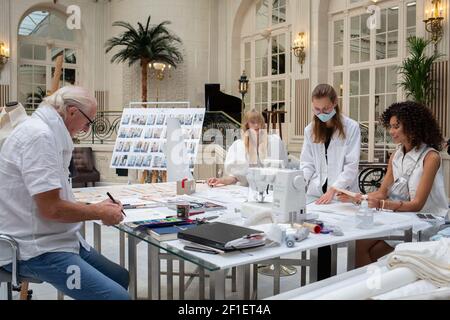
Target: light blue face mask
{"points": [[325, 117]]}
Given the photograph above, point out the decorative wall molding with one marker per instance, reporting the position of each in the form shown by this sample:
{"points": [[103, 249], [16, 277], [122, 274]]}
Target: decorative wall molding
{"points": [[440, 105], [4, 94], [102, 100], [302, 106]]}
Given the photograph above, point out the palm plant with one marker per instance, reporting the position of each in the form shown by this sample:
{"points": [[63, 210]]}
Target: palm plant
{"points": [[152, 43], [416, 71]]}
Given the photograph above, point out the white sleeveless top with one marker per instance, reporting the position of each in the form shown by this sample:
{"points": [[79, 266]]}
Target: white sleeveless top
{"points": [[437, 202]]}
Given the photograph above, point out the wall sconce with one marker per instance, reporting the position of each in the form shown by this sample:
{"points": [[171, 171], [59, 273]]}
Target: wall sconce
{"points": [[434, 22], [299, 49], [4, 54]]}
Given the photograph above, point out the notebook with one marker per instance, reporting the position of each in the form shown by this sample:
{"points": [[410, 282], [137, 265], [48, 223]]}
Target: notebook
{"points": [[169, 233], [158, 223], [222, 236]]}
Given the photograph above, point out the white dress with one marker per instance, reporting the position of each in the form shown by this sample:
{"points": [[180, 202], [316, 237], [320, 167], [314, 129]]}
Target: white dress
{"points": [[437, 202], [237, 160]]}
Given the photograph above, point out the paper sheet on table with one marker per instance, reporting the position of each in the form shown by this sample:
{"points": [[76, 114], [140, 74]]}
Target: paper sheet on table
{"points": [[134, 215], [136, 201], [228, 194], [338, 208]]}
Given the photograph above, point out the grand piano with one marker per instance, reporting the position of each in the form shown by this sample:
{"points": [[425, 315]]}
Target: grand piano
{"points": [[215, 100]]}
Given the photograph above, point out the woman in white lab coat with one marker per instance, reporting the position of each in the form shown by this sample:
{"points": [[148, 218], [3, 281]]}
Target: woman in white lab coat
{"points": [[331, 149], [330, 157], [255, 147]]}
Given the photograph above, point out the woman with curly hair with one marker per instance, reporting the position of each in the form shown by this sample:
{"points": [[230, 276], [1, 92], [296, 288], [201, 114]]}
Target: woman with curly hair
{"points": [[414, 180]]}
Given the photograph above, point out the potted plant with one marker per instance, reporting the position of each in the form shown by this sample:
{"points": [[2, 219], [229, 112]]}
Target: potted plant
{"points": [[417, 81], [146, 44]]}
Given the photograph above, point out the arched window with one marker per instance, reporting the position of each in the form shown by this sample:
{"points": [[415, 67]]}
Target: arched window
{"points": [[43, 36], [265, 55]]}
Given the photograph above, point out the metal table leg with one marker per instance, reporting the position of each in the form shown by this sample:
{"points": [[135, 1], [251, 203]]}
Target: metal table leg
{"points": [[132, 266], [351, 251], [408, 235], [154, 270], [255, 282], [276, 277], [334, 251], [313, 258], [9, 291], [303, 270], [201, 283], [243, 280], [181, 279], [169, 277], [98, 237], [233, 279], [217, 285], [122, 248]]}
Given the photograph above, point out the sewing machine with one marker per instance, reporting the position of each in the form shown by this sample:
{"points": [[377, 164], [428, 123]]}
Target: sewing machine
{"points": [[289, 200]]}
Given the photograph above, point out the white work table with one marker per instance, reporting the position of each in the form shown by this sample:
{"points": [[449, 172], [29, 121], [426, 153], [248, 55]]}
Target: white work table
{"points": [[386, 224]]}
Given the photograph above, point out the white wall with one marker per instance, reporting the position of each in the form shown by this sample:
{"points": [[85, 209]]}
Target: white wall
{"points": [[191, 21]]}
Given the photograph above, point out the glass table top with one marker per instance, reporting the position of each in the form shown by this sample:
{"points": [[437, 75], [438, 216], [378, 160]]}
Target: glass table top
{"points": [[164, 245]]}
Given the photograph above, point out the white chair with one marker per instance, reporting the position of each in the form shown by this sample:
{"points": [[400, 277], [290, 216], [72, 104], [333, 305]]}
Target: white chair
{"points": [[12, 279]]}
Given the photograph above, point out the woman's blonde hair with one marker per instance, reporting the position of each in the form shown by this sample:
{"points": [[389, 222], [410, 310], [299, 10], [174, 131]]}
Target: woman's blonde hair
{"points": [[248, 136]]}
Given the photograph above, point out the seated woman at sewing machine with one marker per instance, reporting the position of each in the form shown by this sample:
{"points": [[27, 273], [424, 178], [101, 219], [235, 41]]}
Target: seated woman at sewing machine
{"points": [[255, 147], [414, 180]]}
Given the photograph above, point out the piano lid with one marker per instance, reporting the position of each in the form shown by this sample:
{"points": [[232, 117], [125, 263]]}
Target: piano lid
{"points": [[215, 100]]}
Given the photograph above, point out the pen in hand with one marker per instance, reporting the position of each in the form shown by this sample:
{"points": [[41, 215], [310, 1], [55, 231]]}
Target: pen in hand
{"points": [[114, 201]]}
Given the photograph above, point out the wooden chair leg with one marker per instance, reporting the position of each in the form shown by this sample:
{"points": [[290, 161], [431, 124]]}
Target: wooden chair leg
{"points": [[24, 291], [143, 177]]}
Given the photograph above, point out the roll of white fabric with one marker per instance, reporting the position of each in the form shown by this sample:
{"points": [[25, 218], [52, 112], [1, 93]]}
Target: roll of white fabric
{"points": [[376, 284], [416, 288], [429, 260]]}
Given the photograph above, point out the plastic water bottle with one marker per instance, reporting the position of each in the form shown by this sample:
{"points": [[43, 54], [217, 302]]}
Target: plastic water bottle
{"points": [[364, 216]]}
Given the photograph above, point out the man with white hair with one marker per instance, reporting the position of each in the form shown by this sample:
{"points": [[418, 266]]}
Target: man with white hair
{"points": [[38, 209]]}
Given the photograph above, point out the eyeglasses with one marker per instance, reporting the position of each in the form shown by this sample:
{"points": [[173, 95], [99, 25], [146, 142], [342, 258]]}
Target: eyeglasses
{"points": [[84, 114], [325, 110]]}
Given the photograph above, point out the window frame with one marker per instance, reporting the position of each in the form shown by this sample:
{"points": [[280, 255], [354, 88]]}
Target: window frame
{"points": [[47, 63], [346, 68]]}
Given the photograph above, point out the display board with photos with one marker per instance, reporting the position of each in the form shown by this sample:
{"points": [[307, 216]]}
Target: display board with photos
{"points": [[142, 137]]}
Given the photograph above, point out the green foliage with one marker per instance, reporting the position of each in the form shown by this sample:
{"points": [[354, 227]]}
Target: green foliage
{"points": [[152, 43], [416, 71]]}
